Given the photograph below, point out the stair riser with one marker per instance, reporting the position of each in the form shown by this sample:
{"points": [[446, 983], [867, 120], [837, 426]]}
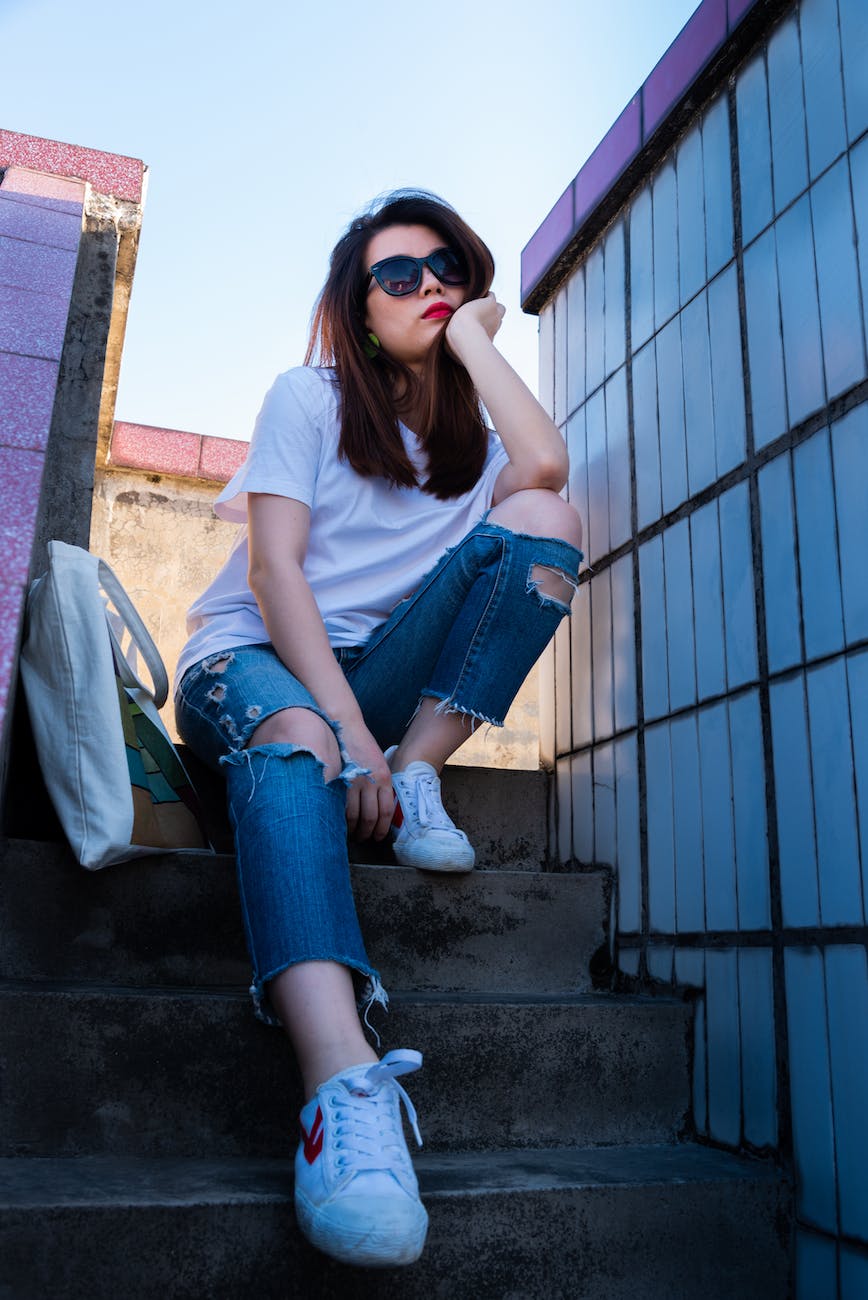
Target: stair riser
{"points": [[192, 1074], [609, 1243], [176, 921], [504, 812]]}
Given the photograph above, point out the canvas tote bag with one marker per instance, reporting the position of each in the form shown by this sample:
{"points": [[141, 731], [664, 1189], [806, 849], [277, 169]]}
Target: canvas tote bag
{"points": [[113, 774]]}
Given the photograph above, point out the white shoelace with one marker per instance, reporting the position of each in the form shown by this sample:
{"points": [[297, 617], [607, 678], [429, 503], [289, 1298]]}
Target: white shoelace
{"points": [[429, 808], [368, 1116]]}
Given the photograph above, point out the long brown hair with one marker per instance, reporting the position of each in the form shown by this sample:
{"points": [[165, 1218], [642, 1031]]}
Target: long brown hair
{"points": [[451, 429]]}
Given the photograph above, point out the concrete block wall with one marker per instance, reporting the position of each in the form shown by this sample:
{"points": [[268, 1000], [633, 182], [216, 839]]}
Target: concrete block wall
{"points": [[703, 348]]}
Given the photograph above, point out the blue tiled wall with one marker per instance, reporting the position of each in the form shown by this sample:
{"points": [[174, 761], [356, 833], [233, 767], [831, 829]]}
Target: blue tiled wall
{"points": [[706, 361]]}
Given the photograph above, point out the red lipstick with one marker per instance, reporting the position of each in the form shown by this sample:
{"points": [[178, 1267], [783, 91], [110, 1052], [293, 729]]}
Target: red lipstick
{"points": [[437, 310]]}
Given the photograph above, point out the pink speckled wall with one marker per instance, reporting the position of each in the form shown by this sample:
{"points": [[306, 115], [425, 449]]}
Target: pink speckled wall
{"points": [[108, 173], [172, 451]]}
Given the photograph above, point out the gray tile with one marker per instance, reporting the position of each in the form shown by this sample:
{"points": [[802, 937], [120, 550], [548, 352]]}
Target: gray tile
{"points": [[854, 1274], [765, 342], [601, 634], [563, 678], [724, 1047], [739, 602], [854, 46], [754, 149], [708, 602], [691, 214], [727, 372], [623, 643], [566, 807], [579, 691], [583, 807], [815, 1266], [780, 576], [547, 358], [646, 436], [561, 411], [670, 407], [757, 1017], [859, 178], [629, 861], [661, 840], [641, 269], [700, 1067], [576, 389], [618, 459], [595, 318], [834, 806], [616, 302], [721, 905], [687, 819], [787, 111], [824, 90], [655, 676], [680, 647], [850, 462], [803, 357], [597, 534], [717, 169], [847, 997], [838, 280], [794, 800], [810, 1088], [818, 551], [698, 408], [605, 834], [749, 812], [664, 198]]}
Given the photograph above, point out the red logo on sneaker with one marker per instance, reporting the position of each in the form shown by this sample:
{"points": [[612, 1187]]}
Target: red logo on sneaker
{"points": [[398, 815], [313, 1139]]}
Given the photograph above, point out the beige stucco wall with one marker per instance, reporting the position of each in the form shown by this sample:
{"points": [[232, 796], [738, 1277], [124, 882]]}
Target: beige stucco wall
{"points": [[162, 539]]}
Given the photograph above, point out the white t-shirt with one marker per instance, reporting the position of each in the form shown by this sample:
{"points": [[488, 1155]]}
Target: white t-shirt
{"points": [[370, 543]]}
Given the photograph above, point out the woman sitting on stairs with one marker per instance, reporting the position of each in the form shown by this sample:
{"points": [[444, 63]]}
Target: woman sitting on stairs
{"points": [[400, 569]]}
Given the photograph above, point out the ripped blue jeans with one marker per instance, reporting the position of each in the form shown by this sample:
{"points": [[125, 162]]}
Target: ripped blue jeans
{"points": [[468, 636]]}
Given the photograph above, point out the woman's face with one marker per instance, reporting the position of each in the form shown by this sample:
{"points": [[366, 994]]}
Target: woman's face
{"points": [[407, 326]]}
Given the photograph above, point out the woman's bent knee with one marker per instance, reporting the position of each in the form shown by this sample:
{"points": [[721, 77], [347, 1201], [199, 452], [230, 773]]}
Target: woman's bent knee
{"points": [[300, 726], [541, 513]]}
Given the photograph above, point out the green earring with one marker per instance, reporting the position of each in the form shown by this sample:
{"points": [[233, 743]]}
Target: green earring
{"points": [[372, 347]]}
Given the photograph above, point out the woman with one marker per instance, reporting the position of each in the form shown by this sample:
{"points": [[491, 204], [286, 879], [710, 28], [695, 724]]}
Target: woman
{"points": [[401, 569]]}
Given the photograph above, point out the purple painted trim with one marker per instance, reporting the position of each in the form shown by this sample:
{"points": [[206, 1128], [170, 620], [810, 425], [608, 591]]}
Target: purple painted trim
{"points": [[698, 41], [736, 10], [617, 148], [552, 236], [688, 54]]}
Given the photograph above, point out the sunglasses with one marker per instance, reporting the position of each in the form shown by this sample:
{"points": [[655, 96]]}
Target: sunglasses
{"points": [[399, 276]]}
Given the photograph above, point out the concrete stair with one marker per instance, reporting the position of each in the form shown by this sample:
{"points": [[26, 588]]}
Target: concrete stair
{"points": [[148, 1121]]}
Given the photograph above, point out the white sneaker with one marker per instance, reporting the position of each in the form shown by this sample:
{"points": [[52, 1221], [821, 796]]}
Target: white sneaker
{"points": [[356, 1195], [423, 833]]}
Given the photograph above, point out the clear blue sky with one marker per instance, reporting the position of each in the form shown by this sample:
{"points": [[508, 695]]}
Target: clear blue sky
{"points": [[267, 124]]}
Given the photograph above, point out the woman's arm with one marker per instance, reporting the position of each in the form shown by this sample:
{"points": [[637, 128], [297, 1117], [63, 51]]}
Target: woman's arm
{"points": [[279, 530], [536, 450]]}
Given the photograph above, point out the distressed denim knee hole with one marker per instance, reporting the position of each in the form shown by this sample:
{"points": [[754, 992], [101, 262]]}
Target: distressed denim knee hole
{"points": [[552, 586]]}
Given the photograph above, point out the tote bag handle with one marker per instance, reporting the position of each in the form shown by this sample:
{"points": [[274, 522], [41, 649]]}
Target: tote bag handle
{"points": [[141, 637]]}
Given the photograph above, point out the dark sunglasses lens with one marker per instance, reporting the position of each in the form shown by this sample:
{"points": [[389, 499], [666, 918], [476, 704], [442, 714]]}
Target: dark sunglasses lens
{"points": [[398, 275], [448, 266]]}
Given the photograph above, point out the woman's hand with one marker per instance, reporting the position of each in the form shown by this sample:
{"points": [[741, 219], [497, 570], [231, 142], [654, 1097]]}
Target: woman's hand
{"points": [[479, 313], [370, 799]]}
